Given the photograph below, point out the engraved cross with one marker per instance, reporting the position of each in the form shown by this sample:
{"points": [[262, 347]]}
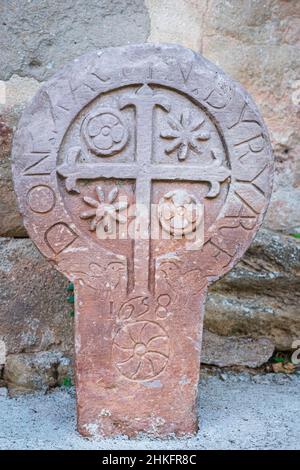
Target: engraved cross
{"points": [[143, 171]]}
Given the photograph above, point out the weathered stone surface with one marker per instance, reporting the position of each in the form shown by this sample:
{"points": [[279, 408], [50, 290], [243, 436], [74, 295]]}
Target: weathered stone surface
{"points": [[242, 304], [15, 93], [261, 295], [41, 44], [160, 132], [2, 352], [273, 39], [33, 308], [177, 21], [258, 45], [26, 373], [10, 218], [226, 351]]}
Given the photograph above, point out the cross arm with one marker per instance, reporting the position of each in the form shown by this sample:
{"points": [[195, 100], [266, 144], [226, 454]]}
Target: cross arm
{"points": [[213, 174], [93, 171]]}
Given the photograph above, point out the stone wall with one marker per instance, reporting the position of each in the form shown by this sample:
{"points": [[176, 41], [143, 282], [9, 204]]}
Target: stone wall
{"points": [[254, 309]]}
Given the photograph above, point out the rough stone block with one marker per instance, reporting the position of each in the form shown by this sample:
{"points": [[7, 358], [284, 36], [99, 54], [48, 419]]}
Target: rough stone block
{"points": [[33, 308], [27, 373], [226, 351], [260, 296]]}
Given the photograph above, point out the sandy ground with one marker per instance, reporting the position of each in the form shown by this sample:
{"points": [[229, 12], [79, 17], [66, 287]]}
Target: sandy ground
{"points": [[237, 411]]}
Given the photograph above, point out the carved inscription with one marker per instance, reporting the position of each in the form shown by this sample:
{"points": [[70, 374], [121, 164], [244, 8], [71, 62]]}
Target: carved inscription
{"points": [[59, 236], [37, 164]]}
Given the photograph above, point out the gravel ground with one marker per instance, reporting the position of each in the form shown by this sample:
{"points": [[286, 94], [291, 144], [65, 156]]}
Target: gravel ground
{"points": [[237, 411]]}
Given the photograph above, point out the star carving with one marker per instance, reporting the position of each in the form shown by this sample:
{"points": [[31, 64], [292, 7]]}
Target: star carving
{"points": [[185, 133]]}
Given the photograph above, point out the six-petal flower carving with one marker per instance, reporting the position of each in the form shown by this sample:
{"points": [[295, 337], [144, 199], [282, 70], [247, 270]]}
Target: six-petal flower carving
{"points": [[104, 214], [185, 133]]}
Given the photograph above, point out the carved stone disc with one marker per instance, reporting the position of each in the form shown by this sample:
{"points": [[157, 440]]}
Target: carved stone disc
{"points": [[143, 173]]}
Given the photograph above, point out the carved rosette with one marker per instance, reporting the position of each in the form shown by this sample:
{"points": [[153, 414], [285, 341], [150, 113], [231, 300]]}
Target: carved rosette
{"points": [[104, 132], [141, 350], [179, 212]]}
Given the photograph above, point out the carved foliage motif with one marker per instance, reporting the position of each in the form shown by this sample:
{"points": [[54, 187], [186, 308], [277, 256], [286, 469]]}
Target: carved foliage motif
{"points": [[95, 272], [179, 279]]}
